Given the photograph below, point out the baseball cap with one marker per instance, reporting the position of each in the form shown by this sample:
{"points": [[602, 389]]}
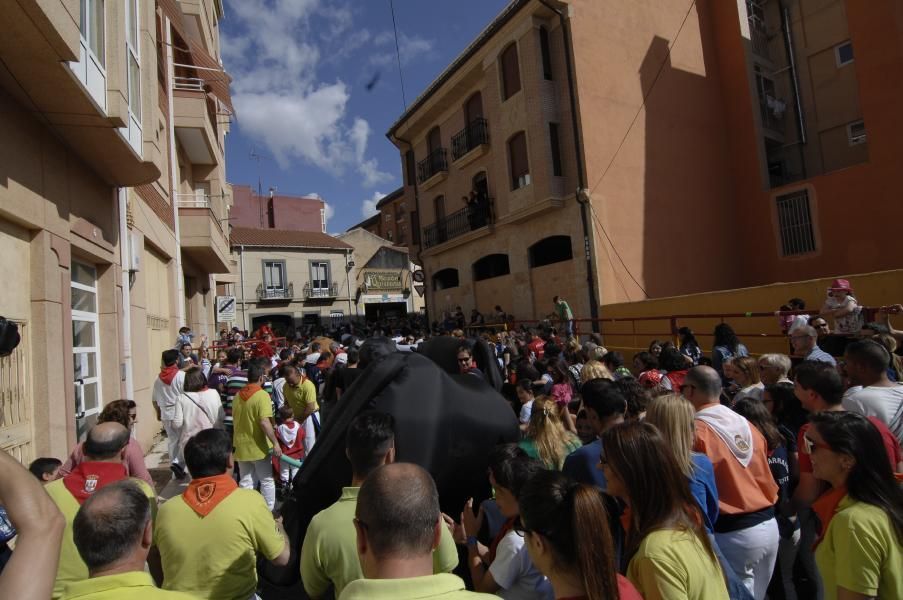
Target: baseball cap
{"points": [[840, 285]]}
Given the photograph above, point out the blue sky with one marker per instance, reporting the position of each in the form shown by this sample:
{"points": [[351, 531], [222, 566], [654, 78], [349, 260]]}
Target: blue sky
{"points": [[300, 72]]}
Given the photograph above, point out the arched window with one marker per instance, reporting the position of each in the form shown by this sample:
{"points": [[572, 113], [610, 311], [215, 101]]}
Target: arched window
{"points": [[550, 250], [546, 53], [491, 265], [518, 161], [444, 279], [510, 72]]}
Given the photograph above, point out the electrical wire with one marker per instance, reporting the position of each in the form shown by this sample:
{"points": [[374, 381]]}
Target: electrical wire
{"points": [[404, 100]]}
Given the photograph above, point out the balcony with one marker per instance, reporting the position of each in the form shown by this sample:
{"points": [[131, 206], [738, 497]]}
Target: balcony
{"points": [[457, 224], [434, 164], [759, 38], [772, 111], [275, 294], [471, 137], [201, 233], [321, 293], [194, 123]]}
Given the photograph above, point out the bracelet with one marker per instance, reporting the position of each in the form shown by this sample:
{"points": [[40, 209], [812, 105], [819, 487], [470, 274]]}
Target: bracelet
{"points": [[472, 540]]}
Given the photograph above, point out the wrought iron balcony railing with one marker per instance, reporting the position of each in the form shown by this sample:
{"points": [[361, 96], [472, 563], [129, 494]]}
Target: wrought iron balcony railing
{"points": [[314, 293], [435, 162], [475, 134], [265, 293], [469, 218]]}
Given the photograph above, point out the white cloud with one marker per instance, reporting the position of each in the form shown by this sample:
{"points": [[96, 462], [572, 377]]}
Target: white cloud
{"points": [[279, 101], [368, 208], [330, 211], [409, 48], [314, 195]]}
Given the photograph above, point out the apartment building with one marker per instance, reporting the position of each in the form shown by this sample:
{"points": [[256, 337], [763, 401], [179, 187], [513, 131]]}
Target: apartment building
{"points": [[611, 152], [112, 204], [391, 222], [291, 278], [276, 211]]}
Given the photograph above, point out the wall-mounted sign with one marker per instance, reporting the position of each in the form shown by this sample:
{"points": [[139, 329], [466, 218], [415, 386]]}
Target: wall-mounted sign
{"points": [[418, 276], [225, 309], [381, 298], [382, 280]]}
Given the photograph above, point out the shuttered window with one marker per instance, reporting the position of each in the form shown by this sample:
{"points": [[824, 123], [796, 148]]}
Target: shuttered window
{"points": [[556, 149], [517, 157], [510, 72], [795, 224], [409, 166], [546, 53]]}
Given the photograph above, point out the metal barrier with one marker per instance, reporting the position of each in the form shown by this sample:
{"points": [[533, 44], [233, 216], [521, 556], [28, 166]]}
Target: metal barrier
{"points": [[222, 345]]}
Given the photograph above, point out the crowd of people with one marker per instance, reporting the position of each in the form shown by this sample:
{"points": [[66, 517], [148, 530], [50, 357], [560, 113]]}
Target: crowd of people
{"points": [[683, 474]]}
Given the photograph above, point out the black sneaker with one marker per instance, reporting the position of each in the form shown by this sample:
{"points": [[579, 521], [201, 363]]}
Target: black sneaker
{"points": [[177, 470]]}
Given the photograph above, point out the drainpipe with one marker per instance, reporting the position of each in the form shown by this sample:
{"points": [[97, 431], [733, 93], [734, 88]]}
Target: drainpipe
{"points": [[794, 77], [582, 193], [348, 279], [173, 180], [126, 315], [241, 279]]}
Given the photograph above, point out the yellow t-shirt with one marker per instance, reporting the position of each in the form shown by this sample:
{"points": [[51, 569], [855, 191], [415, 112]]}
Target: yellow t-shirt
{"points": [[72, 568], [216, 556], [301, 397], [329, 553], [250, 442], [443, 585], [134, 586], [674, 564], [861, 552]]}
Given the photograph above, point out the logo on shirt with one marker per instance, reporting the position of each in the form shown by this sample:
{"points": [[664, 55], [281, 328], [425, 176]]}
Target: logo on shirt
{"points": [[91, 484], [205, 491], [741, 443]]}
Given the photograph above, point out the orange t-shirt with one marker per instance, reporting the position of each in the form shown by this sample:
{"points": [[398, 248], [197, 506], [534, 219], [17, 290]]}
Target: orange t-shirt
{"points": [[740, 490]]}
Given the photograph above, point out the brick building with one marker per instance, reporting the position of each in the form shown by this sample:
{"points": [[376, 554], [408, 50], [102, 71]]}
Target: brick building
{"points": [[276, 211], [625, 151]]}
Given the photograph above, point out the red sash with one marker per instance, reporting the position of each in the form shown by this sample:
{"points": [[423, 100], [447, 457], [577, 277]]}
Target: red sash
{"points": [[205, 494], [88, 477]]}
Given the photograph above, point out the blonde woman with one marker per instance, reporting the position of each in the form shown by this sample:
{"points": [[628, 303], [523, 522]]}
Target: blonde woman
{"points": [[547, 439], [594, 369], [744, 370]]}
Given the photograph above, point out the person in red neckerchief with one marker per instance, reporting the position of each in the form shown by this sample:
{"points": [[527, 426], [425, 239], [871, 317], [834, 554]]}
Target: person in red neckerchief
{"points": [[209, 537], [290, 434], [860, 550]]}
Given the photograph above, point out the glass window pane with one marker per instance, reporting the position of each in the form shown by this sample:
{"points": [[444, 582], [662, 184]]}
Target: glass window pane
{"points": [[85, 365], [84, 274], [91, 396], [133, 23], [96, 29], [83, 334], [83, 18], [134, 86], [84, 301]]}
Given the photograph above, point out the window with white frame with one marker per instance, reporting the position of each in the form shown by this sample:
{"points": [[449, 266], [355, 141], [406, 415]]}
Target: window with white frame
{"points": [[133, 70], [843, 53], [90, 67], [274, 275], [323, 219], [856, 133], [319, 275]]}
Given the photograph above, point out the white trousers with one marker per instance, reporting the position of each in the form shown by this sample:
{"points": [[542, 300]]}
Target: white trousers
{"points": [[258, 471], [752, 552], [287, 473], [172, 443]]}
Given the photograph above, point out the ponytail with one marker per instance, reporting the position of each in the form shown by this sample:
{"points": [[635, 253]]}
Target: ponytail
{"points": [[592, 537]]}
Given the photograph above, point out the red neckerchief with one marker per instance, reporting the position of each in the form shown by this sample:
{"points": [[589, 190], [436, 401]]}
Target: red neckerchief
{"points": [[88, 477], [826, 507], [249, 390], [204, 494], [167, 374], [506, 527]]}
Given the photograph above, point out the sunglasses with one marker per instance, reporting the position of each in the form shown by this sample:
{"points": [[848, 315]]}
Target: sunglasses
{"points": [[812, 445]]}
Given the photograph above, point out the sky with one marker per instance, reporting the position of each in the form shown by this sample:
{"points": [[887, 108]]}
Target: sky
{"points": [[316, 86]]}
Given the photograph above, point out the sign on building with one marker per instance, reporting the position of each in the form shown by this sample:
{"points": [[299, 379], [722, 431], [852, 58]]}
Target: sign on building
{"points": [[225, 309], [381, 280]]}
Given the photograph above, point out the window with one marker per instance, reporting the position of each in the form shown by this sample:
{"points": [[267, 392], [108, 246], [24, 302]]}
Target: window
{"points": [[556, 149], [274, 275], [323, 219], [86, 340], [510, 72], [387, 218], [319, 275], [389, 235], [133, 74], [401, 234], [409, 167], [546, 53], [795, 224], [553, 249], [518, 162], [91, 27], [415, 227], [492, 265], [444, 279], [434, 140], [843, 53], [89, 69], [856, 133]]}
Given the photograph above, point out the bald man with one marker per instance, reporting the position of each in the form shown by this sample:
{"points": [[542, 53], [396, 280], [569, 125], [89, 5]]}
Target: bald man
{"points": [[113, 533], [398, 527], [746, 529], [104, 451]]}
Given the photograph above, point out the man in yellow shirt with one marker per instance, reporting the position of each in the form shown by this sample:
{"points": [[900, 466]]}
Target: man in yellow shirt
{"points": [[209, 537], [253, 435], [329, 554], [399, 526], [104, 451], [113, 532], [300, 393]]}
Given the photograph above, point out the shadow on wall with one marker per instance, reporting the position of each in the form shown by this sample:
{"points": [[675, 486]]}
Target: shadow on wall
{"points": [[689, 230]]}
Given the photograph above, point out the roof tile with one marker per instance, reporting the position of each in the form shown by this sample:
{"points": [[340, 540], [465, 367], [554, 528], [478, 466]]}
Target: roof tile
{"points": [[281, 238]]}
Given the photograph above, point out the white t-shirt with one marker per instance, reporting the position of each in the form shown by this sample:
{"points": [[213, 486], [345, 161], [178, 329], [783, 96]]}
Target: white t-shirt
{"points": [[167, 396], [526, 411], [883, 403], [847, 324], [513, 570], [278, 396]]}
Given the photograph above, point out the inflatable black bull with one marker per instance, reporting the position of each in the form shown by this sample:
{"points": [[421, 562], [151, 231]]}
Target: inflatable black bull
{"points": [[445, 422]]}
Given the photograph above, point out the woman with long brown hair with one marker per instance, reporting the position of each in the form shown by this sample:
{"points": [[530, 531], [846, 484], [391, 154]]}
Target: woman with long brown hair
{"points": [[546, 436], [565, 528], [669, 552]]}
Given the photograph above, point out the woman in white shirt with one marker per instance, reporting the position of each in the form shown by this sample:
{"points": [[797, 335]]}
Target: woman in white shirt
{"points": [[200, 406]]}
